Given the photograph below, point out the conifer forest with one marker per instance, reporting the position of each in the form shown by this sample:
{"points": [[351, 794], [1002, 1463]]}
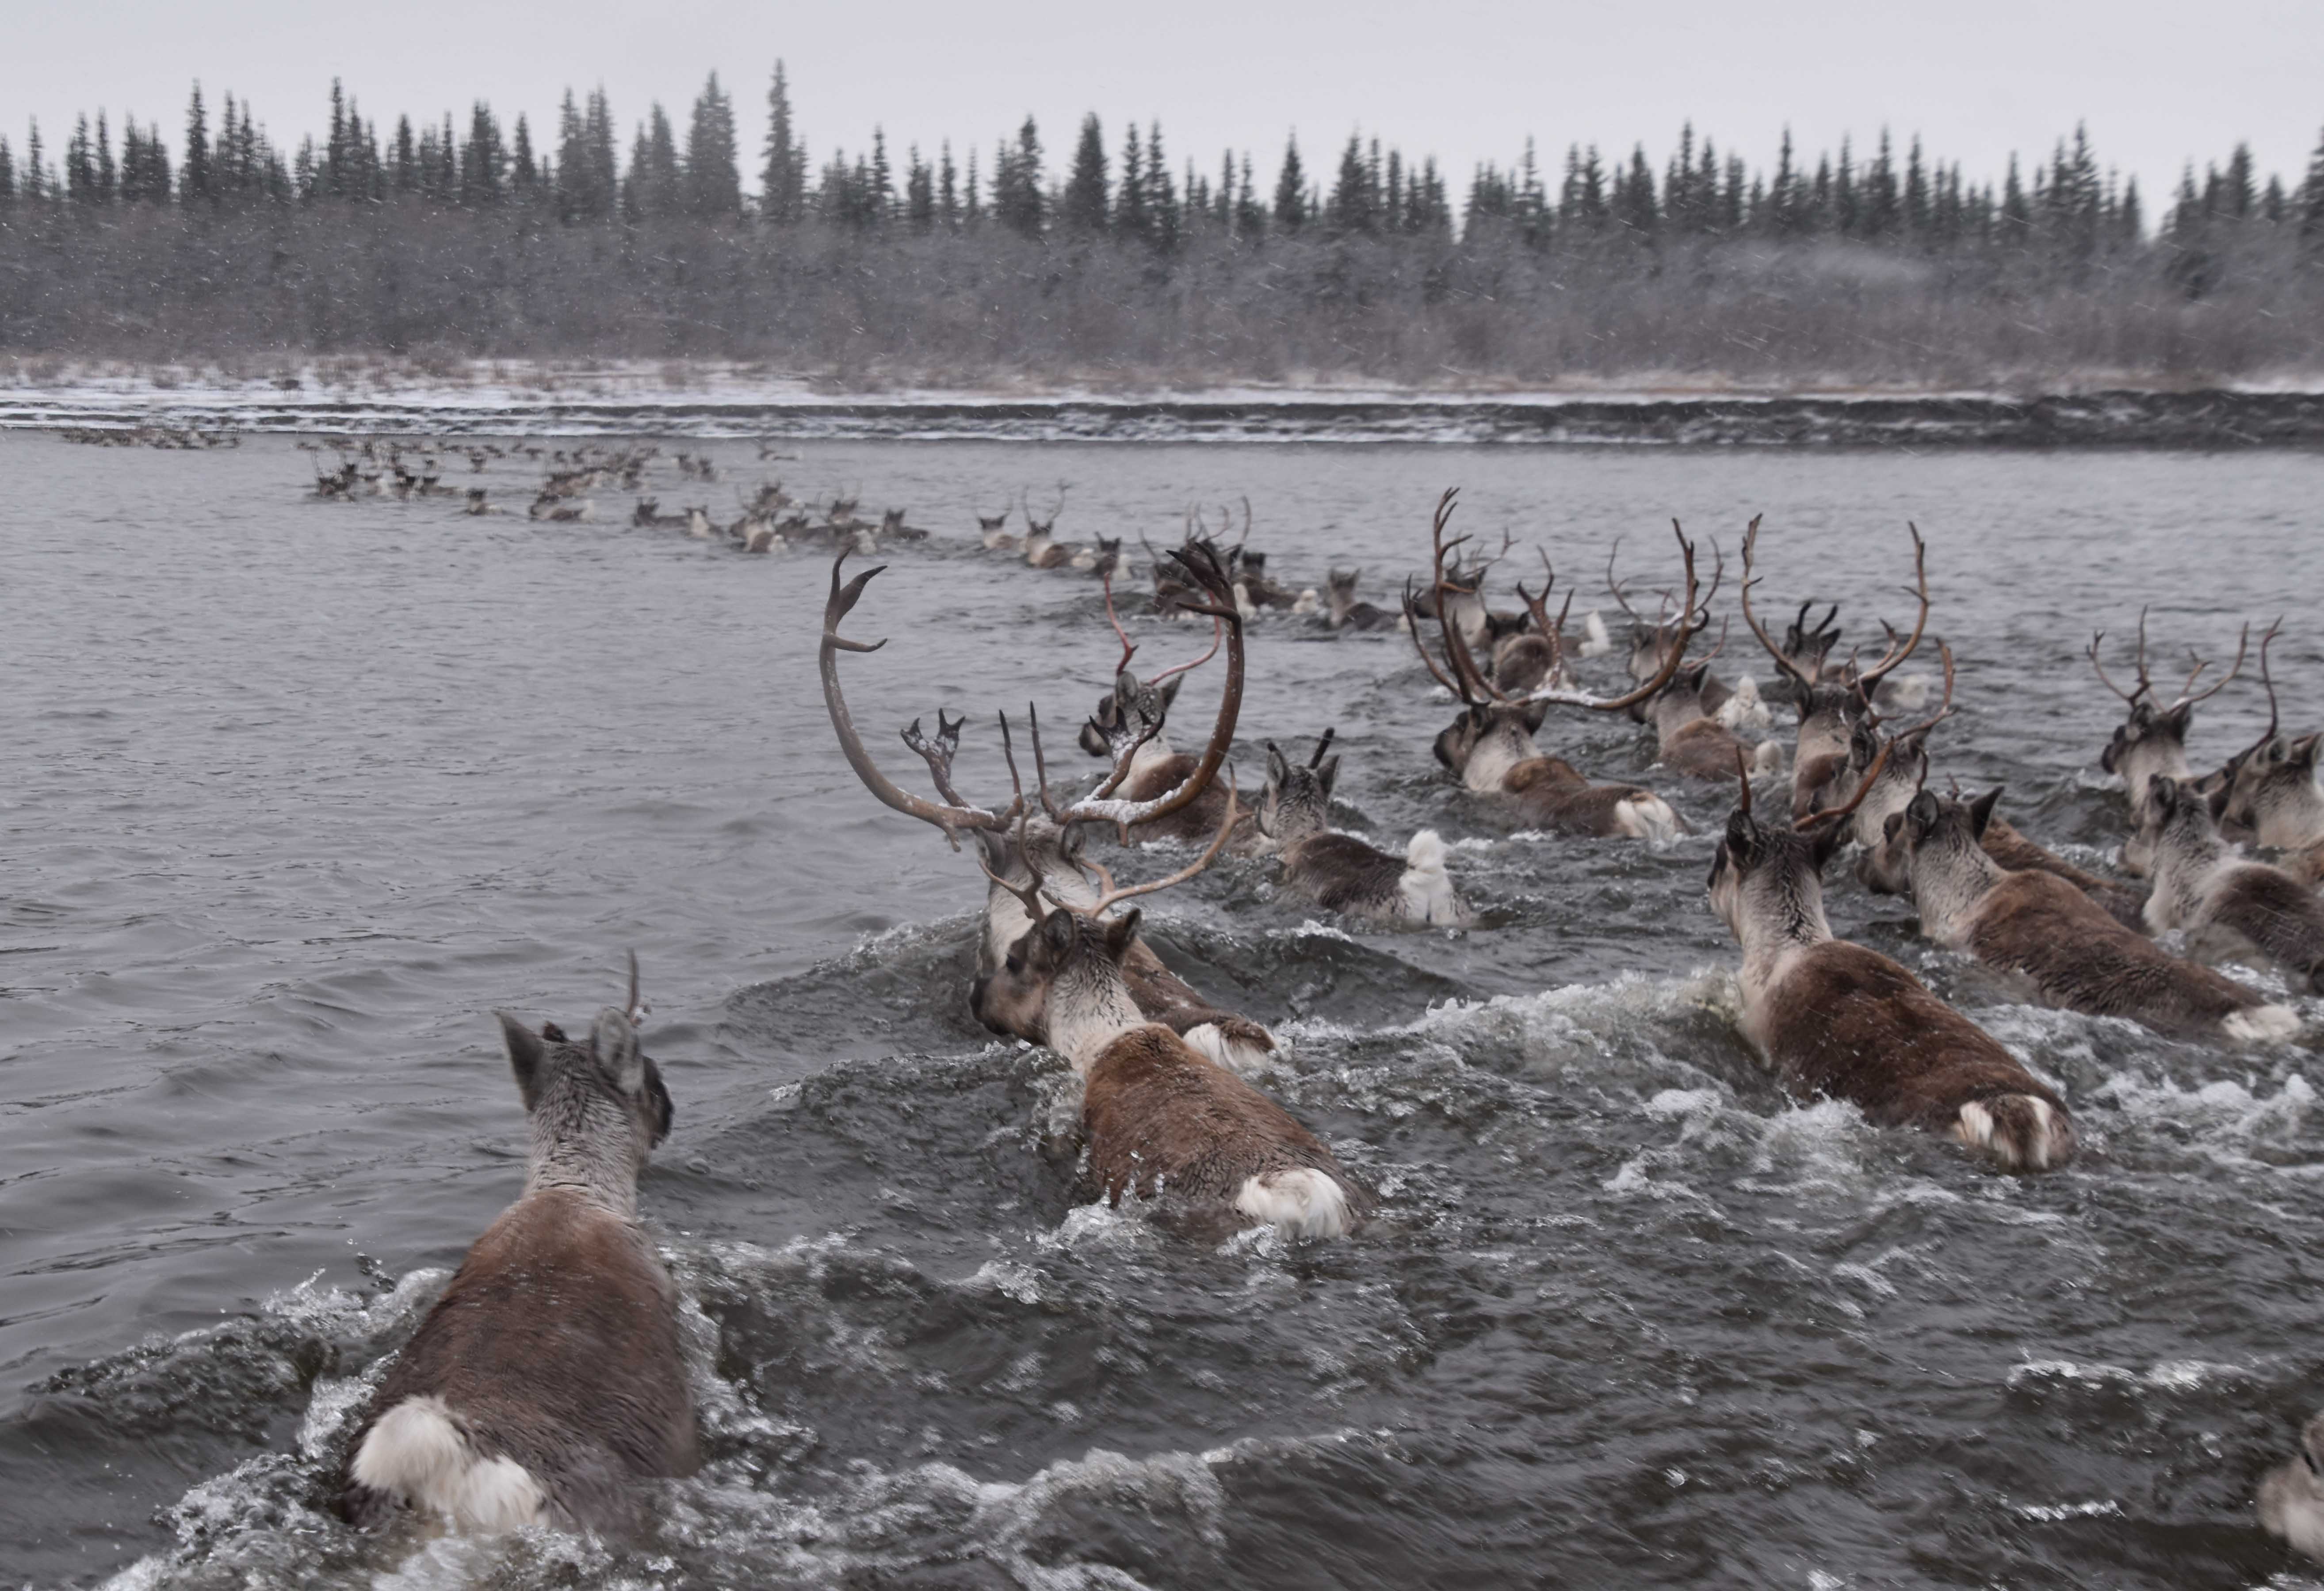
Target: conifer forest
{"points": [[1110, 254]]}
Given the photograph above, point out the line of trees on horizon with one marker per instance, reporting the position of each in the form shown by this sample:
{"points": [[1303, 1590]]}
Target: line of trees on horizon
{"points": [[479, 238]]}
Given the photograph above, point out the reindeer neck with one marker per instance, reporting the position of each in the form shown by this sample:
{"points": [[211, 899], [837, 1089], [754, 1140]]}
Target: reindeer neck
{"points": [[1779, 916], [582, 1143], [1946, 889], [1089, 1013]]}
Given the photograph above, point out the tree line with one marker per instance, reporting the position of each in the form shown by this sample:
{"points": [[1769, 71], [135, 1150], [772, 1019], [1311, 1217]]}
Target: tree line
{"points": [[473, 236]]}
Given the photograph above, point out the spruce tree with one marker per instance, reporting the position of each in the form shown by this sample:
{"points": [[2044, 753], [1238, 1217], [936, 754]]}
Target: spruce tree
{"points": [[35, 183], [1133, 218], [106, 173], [1350, 206], [1019, 202], [1161, 195], [2311, 196], [1083, 209], [782, 178], [525, 175], [947, 191], [919, 193], [713, 182], [194, 172], [7, 175], [1291, 189], [80, 165]]}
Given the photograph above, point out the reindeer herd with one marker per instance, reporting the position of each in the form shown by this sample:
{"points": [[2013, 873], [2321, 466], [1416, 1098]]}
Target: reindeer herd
{"points": [[490, 1419]]}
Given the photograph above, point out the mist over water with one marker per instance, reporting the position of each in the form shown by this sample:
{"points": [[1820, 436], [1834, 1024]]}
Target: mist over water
{"points": [[301, 792]]}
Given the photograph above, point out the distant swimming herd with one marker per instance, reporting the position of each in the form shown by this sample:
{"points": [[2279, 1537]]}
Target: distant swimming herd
{"points": [[547, 1384]]}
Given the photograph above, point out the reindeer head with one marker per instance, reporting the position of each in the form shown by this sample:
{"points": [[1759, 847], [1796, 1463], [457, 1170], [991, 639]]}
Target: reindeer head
{"points": [[598, 1108], [1061, 973], [1297, 801], [1830, 706], [1933, 850], [1767, 880], [2278, 776], [2151, 742]]}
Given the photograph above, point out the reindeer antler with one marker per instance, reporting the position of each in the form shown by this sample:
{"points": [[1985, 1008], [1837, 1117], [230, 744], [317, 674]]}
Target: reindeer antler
{"points": [[1896, 655], [1692, 620], [1111, 895], [1129, 646], [2266, 679], [1863, 787], [635, 1008], [951, 816], [1750, 548], [2242, 643], [2145, 685]]}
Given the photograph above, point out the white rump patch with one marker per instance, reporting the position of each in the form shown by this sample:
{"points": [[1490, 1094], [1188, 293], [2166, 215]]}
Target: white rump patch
{"points": [[2263, 1024], [1650, 818], [1979, 1130], [1767, 758], [1240, 1057], [1305, 1203], [1307, 605], [1744, 710], [1595, 642], [1426, 887], [418, 1454]]}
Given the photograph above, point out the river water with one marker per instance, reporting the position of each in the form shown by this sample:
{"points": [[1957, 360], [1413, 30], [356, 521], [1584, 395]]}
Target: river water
{"points": [[298, 793]]}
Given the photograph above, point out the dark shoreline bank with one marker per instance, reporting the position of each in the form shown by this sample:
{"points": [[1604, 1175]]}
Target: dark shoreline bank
{"points": [[2121, 417]]}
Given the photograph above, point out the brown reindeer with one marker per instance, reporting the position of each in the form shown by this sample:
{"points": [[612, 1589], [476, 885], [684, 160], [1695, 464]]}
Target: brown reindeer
{"points": [[1017, 845], [1830, 705], [1491, 747], [1837, 1020], [547, 1384], [1161, 1117], [2151, 742], [2040, 927]]}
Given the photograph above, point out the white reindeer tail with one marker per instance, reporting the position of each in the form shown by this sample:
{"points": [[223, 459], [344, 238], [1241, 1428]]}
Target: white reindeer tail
{"points": [[1744, 709], [1426, 887], [2022, 1132], [1245, 1057], [418, 1453], [1767, 758], [2263, 1024], [1305, 1203], [1595, 642], [1649, 818]]}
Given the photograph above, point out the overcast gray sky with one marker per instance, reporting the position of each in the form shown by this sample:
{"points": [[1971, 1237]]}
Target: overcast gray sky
{"points": [[1466, 79]]}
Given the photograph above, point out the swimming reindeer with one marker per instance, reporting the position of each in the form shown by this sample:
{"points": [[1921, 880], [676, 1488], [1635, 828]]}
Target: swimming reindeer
{"points": [[1491, 747], [1161, 1119], [992, 530], [1042, 549], [1019, 847], [1342, 612], [1736, 707], [2291, 1496], [1837, 1020], [1129, 722], [546, 1383], [2269, 788], [2151, 742], [1831, 705], [2058, 938], [1340, 872], [2230, 907]]}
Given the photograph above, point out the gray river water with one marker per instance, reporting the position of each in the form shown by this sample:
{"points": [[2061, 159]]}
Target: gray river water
{"points": [[297, 792]]}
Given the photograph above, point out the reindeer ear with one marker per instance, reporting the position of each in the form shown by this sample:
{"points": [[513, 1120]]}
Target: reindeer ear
{"points": [[2179, 718], [1170, 691], [1891, 826], [996, 850], [1121, 933], [1922, 812], [1278, 769], [2303, 751], [615, 1043], [2163, 791], [1742, 835], [1980, 811], [658, 1109], [1058, 932], [1537, 714], [1125, 688], [1829, 838], [526, 1053], [1327, 774]]}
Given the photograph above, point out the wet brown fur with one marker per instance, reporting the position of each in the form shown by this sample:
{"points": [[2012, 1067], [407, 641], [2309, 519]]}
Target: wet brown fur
{"points": [[1550, 794], [2014, 851], [1161, 1117], [556, 1346], [1847, 1022]]}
